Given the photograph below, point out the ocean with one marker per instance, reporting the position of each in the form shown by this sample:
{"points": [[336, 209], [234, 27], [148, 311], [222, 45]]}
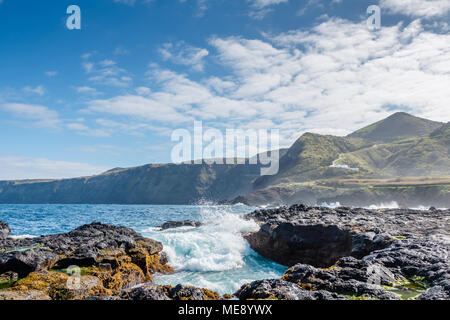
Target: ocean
{"points": [[213, 256]]}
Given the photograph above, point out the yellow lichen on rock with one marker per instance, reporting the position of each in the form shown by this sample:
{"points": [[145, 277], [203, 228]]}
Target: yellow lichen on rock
{"points": [[10, 294], [40, 281], [82, 288], [210, 295]]}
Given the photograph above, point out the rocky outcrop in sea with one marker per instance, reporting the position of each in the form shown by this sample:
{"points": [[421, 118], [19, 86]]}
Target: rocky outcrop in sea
{"points": [[354, 253]]}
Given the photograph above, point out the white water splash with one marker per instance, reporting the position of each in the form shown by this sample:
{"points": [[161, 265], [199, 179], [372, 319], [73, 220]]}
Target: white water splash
{"points": [[389, 205], [214, 255], [215, 246], [332, 205], [22, 236]]}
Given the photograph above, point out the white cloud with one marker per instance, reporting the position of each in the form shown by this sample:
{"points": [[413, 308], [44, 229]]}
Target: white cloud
{"points": [[83, 129], [184, 54], [260, 8], [87, 66], [39, 115], [417, 8], [107, 73], [51, 73], [120, 50], [143, 91], [138, 107], [219, 85], [87, 90], [19, 167], [202, 6], [265, 3], [107, 63], [331, 79], [128, 2], [39, 90], [86, 55]]}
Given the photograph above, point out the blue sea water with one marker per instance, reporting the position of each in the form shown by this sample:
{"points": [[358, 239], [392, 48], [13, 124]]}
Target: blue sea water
{"points": [[213, 256]]}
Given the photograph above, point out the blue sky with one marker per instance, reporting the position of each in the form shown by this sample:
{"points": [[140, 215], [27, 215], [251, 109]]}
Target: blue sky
{"points": [[78, 102]]}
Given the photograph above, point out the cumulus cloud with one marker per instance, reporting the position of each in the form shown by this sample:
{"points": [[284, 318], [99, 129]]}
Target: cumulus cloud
{"points": [[181, 53], [14, 167], [417, 8]]}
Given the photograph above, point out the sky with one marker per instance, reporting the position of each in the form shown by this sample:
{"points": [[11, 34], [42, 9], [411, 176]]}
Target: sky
{"points": [[80, 102]]}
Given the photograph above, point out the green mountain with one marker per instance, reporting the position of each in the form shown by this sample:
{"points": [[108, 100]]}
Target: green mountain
{"points": [[398, 126], [402, 158], [325, 168]]}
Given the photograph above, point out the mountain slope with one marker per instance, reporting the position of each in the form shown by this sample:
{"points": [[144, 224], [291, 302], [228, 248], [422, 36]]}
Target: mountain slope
{"points": [[306, 175], [310, 157], [398, 126], [416, 156]]}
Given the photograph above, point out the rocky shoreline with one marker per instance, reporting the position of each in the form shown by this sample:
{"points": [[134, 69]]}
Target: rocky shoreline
{"points": [[111, 263], [353, 253], [329, 254]]}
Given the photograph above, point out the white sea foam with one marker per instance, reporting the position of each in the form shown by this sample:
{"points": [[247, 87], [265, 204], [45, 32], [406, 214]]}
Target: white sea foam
{"points": [[332, 205], [214, 255], [22, 236], [217, 245], [389, 205], [383, 205]]}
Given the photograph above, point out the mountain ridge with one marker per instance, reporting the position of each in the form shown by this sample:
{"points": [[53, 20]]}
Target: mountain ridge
{"points": [[399, 125]]}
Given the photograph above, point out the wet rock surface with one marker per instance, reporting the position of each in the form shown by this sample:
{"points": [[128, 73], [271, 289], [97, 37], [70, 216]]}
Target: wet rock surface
{"points": [[92, 260], [355, 253], [320, 236], [179, 224], [151, 291], [276, 289], [4, 230]]}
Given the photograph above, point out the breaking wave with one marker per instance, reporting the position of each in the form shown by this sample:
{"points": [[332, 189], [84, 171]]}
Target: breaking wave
{"points": [[214, 255]]}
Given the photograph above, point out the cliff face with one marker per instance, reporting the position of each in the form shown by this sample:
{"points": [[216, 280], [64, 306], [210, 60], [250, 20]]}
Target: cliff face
{"points": [[151, 184], [315, 167]]}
